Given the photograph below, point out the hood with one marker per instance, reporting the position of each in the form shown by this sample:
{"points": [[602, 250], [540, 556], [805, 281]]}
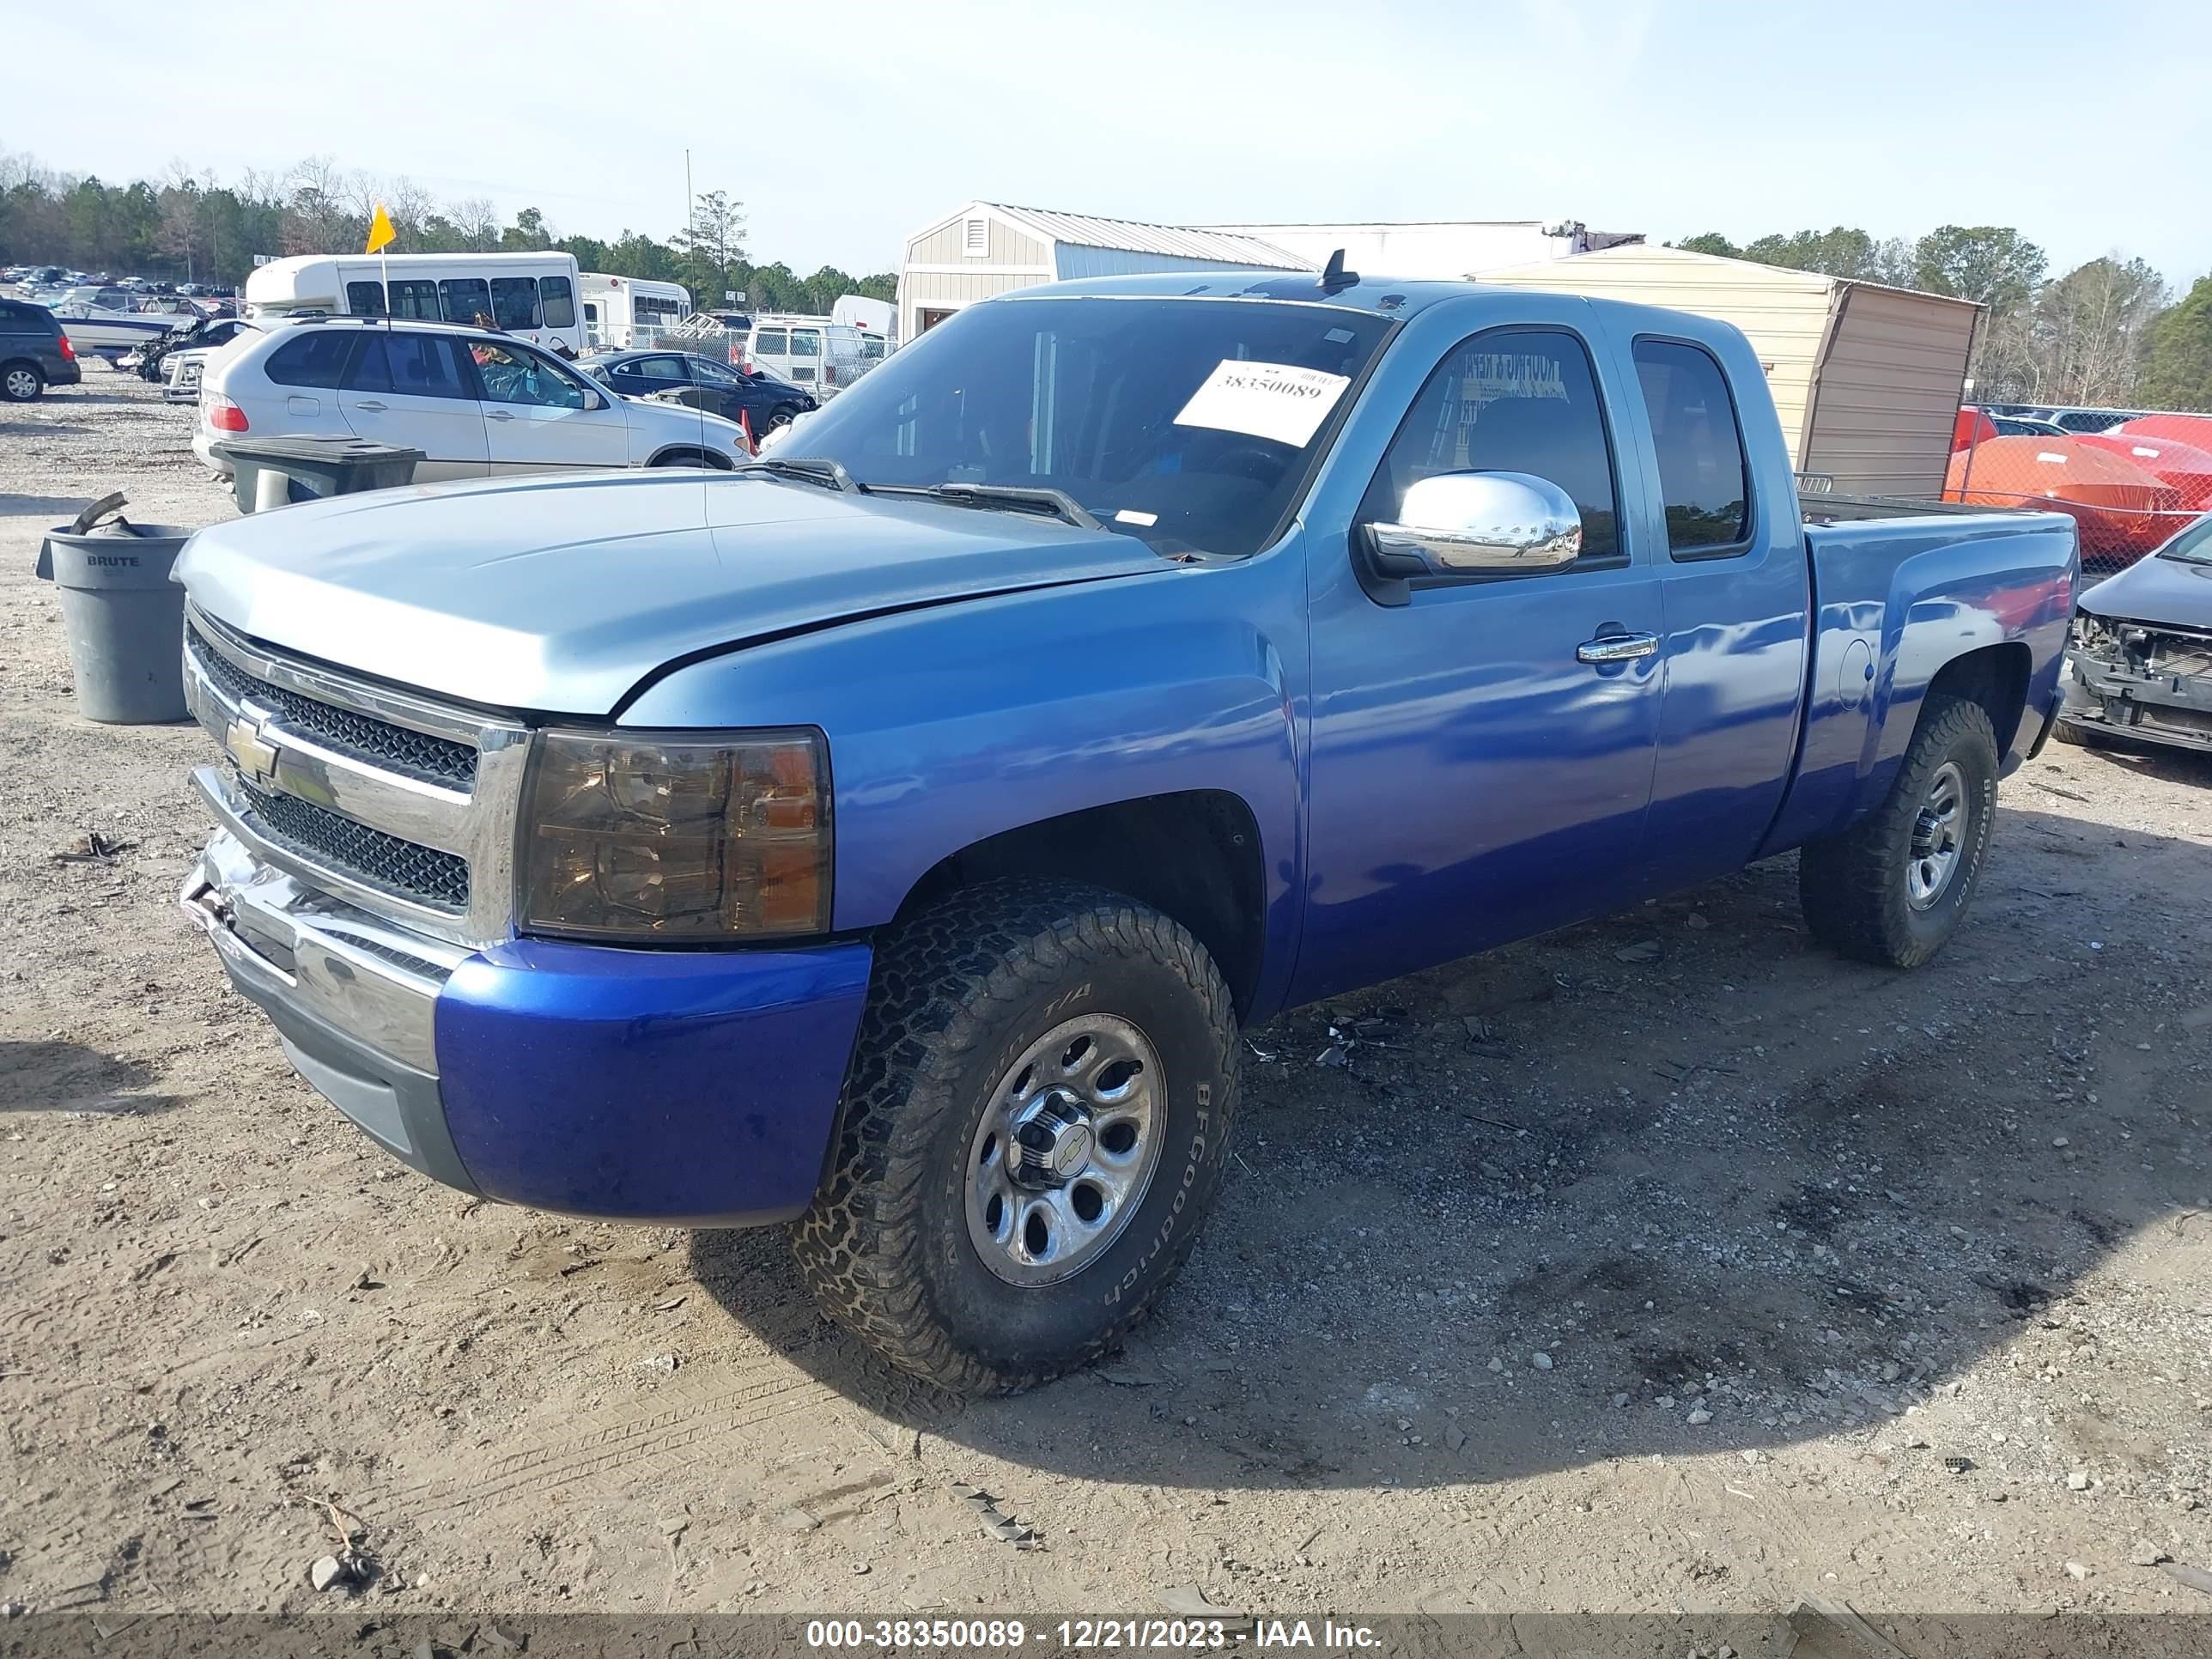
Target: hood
{"points": [[560, 595], [2173, 591]]}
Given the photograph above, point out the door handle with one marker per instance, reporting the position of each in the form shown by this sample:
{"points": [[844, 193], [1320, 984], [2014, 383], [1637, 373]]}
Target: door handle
{"points": [[370, 405], [1617, 647], [497, 415]]}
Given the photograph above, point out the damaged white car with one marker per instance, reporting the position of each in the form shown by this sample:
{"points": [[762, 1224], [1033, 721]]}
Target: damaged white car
{"points": [[2139, 664]]}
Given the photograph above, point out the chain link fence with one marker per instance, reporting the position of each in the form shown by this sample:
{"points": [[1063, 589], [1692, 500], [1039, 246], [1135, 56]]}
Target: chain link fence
{"points": [[2129, 478]]}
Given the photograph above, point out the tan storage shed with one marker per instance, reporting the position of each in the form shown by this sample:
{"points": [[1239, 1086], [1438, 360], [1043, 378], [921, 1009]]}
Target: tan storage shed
{"points": [[1867, 379]]}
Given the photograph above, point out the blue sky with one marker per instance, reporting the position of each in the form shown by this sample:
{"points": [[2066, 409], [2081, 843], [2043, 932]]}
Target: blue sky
{"points": [[843, 127]]}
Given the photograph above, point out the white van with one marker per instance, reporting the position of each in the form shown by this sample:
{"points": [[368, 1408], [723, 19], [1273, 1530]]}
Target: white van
{"points": [[621, 313], [531, 295], [822, 355]]}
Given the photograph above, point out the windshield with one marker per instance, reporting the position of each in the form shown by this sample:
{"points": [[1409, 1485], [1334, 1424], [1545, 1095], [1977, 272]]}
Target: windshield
{"points": [[2193, 545], [1187, 422]]}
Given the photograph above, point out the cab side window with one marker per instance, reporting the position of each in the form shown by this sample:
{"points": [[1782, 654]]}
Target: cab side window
{"points": [[1701, 475], [1512, 400]]}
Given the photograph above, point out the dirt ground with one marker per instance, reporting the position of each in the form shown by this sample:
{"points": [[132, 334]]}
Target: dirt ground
{"points": [[1665, 1263]]}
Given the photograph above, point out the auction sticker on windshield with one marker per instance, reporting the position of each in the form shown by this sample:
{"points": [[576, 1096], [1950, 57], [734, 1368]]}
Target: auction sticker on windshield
{"points": [[1278, 401]]}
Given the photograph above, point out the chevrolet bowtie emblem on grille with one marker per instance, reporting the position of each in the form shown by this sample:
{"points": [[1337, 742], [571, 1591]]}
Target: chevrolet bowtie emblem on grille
{"points": [[255, 755]]}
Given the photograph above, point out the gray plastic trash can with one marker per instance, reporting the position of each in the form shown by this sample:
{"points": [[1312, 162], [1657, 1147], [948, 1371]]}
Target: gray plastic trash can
{"points": [[124, 617], [265, 469]]}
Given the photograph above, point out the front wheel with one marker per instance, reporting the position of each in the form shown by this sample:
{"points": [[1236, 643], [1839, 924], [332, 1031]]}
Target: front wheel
{"points": [[1035, 1125], [1893, 888]]}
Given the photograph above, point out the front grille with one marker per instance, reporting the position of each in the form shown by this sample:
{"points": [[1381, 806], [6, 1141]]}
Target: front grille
{"points": [[417, 753], [421, 874]]}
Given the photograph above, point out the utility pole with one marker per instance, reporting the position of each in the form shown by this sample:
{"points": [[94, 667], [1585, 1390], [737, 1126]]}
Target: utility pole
{"points": [[691, 208]]}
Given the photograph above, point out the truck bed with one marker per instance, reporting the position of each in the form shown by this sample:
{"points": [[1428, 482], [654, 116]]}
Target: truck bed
{"points": [[1900, 588]]}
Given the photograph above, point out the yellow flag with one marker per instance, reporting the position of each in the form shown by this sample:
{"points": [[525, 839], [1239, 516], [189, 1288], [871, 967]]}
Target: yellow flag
{"points": [[379, 230]]}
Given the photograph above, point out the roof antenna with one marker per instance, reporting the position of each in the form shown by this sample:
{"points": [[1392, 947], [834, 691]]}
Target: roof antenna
{"points": [[1335, 275]]}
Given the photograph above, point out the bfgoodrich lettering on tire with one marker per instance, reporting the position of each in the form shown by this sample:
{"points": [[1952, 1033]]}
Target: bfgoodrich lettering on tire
{"points": [[1892, 888], [1035, 1125]]}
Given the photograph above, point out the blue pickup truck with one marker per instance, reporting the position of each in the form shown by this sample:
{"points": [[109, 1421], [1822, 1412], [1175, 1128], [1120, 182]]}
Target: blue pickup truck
{"points": [[890, 838]]}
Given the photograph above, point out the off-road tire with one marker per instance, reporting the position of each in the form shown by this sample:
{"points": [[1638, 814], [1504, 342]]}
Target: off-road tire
{"points": [[959, 992], [1852, 886], [2076, 737]]}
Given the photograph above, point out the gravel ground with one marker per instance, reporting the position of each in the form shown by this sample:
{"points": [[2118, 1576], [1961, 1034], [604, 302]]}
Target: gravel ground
{"points": [[1666, 1262]]}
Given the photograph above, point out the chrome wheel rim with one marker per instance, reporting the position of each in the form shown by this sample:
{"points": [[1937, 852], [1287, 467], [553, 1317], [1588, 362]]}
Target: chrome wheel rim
{"points": [[21, 383], [1067, 1147], [1938, 838]]}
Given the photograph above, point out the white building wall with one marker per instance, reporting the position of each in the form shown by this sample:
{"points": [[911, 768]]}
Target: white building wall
{"points": [[1445, 251]]}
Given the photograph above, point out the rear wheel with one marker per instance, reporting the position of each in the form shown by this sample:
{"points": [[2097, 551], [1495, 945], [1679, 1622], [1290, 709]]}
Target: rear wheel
{"points": [[1893, 888], [1034, 1127], [21, 383], [2079, 737]]}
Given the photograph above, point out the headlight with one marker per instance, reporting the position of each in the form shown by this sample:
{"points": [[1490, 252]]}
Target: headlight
{"points": [[652, 836]]}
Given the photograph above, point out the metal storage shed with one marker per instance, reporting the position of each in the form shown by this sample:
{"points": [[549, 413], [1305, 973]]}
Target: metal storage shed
{"points": [[1867, 379], [988, 248]]}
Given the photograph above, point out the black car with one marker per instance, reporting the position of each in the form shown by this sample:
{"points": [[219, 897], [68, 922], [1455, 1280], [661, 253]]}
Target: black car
{"points": [[766, 400], [34, 353]]}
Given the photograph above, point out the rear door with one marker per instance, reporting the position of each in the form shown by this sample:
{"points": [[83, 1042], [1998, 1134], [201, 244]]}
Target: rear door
{"points": [[538, 413], [806, 358], [415, 391], [1734, 590], [770, 348]]}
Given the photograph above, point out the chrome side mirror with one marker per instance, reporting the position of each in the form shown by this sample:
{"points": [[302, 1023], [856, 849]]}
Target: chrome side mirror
{"points": [[1481, 524]]}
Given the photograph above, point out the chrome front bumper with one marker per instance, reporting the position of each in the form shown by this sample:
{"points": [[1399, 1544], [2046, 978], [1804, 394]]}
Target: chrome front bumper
{"points": [[353, 997]]}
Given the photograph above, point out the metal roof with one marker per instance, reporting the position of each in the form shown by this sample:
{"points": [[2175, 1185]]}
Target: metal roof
{"points": [[1084, 230]]}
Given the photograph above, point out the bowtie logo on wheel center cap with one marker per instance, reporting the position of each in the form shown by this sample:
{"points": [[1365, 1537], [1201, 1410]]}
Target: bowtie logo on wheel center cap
{"points": [[1055, 1139]]}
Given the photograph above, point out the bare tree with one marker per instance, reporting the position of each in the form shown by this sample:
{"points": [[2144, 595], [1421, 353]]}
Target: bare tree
{"points": [[478, 221], [2089, 326], [318, 198]]}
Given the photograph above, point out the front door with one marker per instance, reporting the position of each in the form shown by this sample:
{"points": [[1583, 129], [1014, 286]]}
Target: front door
{"points": [[1473, 779], [413, 390], [539, 414]]}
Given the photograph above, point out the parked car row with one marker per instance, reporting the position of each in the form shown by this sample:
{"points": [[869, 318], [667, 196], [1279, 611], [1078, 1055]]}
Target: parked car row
{"points": [[63, 276]]}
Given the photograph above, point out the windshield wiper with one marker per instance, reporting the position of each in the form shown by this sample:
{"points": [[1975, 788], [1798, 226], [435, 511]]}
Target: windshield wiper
{"points": [[1055, 503], [808, 469]]}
